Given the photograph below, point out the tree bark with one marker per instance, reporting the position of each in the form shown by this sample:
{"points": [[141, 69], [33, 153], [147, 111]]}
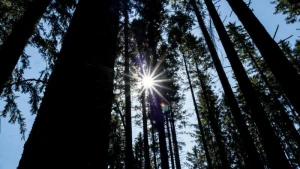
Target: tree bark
{"points": [[14, 45], [240, 122], [283, 70], [72, 127], [271, 143]]}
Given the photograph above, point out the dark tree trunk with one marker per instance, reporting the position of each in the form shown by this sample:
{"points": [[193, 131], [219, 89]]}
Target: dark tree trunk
{"points": [[271, 143], [153, 145], [80, 92], [283, 70], [128, 128], [170, 142], [209, 163], [174, 138], [240, 122], [14, 45], [145, 130], [155, 99]]}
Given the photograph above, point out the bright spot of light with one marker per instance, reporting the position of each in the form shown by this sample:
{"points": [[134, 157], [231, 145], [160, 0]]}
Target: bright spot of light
{"points": [[148, 82]]}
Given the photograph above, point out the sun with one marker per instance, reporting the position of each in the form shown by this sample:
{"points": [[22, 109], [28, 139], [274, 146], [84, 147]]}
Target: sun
{"points": [[148, 82]]}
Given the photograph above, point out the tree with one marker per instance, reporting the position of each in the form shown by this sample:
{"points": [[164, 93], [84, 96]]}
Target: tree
{"points": [[47, 41], [272, 54], [80, 92], [13, 46], [138, 151], [128, 129], [271, 142], [145, 132], [209, 163], [289, 7], [247, 51], [232, 102]]}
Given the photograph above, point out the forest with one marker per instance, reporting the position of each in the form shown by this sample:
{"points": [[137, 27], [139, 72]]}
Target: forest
{"points": [[112, 89]]}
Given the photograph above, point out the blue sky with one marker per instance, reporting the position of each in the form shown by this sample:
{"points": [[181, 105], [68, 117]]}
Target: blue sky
{"points": [[11, 145]]}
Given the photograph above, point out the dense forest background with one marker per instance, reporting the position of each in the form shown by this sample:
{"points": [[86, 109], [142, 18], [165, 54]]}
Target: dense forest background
{"points": [[224, 89]]}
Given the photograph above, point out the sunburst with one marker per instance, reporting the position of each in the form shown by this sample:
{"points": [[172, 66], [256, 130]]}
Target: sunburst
{"points": [[150, 80]]}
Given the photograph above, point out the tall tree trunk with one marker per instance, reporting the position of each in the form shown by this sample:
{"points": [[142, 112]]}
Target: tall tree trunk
{"points": [[174, 138], [128, 128], [209, 162], [170, 142], [155, 99], [14, 45], [153, 145], [145, 130], [283, 70], [80, 92], [240, 122], [271, 143]]}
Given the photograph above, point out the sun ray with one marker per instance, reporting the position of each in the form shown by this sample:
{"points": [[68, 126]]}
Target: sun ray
{"points": [[159, 94], [163, 87], [162, 80]]}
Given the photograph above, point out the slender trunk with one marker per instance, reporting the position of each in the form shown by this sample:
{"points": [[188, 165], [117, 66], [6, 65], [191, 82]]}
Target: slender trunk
{"points": [[128, 128], [271, 143], [240, 122], [209, 163], [284, 72], [154, 145], [80, 91], [145, 129], [14, 45], [170, 142], [174, 138]]}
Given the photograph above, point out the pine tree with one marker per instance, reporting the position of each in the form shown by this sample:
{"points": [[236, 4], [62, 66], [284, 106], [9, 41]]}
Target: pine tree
{"points": [[224, 161], [277, 110], [271, 143], [272, 54], [232, 102], [13, 46], [289, 7], [128, 129]]}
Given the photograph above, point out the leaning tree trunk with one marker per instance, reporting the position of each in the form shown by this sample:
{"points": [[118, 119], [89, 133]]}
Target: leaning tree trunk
{"points": [[240, 122], [14, 45], [145, 130], [209, 162], [128, 128], [174, 138], [284, 72], [271, 143], [71, 129]]}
